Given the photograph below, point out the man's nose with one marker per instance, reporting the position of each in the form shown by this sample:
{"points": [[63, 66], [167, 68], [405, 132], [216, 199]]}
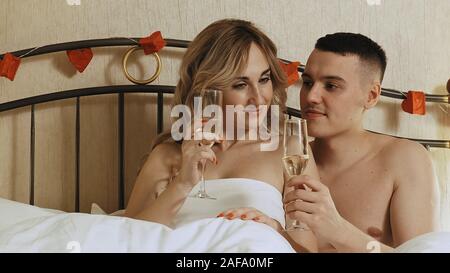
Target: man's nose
{"points": [[314, 96]]}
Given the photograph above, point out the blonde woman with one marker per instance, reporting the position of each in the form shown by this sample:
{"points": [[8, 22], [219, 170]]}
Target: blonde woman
{"points": [[236, 57]]}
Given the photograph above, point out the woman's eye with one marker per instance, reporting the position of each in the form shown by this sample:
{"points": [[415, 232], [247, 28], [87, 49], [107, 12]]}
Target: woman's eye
{"points": [[264, 80], [307, 83], [239, 86]]}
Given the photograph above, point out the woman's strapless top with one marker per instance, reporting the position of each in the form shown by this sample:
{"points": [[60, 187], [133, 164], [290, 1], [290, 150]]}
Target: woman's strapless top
{"points": [[232, 193]]}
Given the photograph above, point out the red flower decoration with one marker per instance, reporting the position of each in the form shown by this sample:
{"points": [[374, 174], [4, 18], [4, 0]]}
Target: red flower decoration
{"points": [[414, 103], [152, 43], [9, 66], [291, 72], [80, 58]]}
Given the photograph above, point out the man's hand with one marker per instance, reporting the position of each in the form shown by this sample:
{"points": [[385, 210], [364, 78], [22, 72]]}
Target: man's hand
{"points": [[314, 208]]}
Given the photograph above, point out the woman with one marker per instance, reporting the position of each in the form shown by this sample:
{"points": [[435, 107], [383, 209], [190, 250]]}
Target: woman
{"points": [[237, 58]]}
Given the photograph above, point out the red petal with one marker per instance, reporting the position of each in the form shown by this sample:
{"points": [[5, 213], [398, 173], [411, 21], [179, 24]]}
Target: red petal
{"points": [[415, 103], [80, 58], [9, 66], [152, 43], [291, 72]]}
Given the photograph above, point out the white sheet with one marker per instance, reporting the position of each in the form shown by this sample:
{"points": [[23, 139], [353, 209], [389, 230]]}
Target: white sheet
{"points": [[232, 193], [25, 228], [100, 233], [434, 242]]}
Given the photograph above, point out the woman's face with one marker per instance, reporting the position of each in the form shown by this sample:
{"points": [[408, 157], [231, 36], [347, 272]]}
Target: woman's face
{"points": [[251, 87]]}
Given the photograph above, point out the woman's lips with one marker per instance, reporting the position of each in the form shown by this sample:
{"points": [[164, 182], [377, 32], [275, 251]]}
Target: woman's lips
{"points": [[251, 110]]}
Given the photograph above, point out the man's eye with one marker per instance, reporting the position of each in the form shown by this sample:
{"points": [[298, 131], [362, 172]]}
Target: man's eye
{"points": [[330, 86]]}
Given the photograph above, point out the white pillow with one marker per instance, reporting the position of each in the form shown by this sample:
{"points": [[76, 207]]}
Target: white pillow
{"points": [[96, 209]]}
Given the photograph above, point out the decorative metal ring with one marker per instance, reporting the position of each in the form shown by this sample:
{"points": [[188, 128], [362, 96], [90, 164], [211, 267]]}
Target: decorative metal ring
{"points": [[130, 78]]}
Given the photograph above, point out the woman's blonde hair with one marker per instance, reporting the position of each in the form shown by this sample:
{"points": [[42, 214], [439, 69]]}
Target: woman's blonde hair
{"points": [[215, 57]]}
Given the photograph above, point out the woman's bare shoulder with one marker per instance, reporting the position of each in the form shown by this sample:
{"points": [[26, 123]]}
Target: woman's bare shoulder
{"points": [[166, 153], [159, 165]]}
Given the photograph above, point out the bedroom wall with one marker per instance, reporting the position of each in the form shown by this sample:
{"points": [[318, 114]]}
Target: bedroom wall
{"points": [[413, 33]]}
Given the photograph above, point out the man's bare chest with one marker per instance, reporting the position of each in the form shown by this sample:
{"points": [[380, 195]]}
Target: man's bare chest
{"points": [[362, 196]]}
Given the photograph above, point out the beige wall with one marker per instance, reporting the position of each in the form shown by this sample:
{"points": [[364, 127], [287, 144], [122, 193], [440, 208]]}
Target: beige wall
{"points": [[413, 32]]}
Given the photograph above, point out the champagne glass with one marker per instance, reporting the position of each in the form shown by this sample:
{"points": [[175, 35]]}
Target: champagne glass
{"points": [[295, 157], [211, 98]]}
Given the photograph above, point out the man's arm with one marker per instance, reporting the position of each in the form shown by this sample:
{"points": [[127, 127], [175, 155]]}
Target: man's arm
{"points": [[414, 207], [303, 240], [415, 204], [318, 211]]}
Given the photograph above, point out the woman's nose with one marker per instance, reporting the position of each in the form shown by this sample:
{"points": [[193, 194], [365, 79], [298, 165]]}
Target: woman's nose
{"points": [[255, 96]]}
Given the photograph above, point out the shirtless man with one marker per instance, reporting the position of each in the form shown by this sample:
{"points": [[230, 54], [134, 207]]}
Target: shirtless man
{"points": [[372, 187]]}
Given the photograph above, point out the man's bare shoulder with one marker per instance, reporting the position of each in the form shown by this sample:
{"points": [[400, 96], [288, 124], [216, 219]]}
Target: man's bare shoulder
{"points": [[394, 149], [403, 157]]}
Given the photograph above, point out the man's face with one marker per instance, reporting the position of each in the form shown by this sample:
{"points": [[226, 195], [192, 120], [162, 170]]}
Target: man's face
{"points": [[332, 97]]}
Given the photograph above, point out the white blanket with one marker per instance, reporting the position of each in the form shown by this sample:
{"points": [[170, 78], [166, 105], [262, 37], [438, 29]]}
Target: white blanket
{"points": [[78, 232], [434, 242], [25, 228], [31, 229]]}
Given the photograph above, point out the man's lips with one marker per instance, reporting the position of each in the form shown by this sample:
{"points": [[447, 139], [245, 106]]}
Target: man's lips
{"points": [[313, 114]]}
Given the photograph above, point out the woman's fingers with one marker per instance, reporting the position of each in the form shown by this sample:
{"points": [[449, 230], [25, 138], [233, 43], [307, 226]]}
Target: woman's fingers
{"points": [[251, 214], [241, 213], [206, 155]]}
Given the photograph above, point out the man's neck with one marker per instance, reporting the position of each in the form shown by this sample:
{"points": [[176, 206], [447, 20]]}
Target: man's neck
{"points": [[342, 149]]}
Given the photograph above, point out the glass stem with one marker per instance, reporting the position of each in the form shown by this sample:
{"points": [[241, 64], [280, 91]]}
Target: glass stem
{"points": [[203, 186]]}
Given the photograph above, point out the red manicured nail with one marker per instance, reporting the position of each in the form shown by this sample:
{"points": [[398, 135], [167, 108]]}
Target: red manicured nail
{"points": [[229, 215], [243, 216], [220, 215], [256, 219]]}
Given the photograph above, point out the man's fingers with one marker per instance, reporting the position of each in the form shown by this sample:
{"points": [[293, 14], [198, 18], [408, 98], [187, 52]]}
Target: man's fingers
{"points": [[300, 216], [299, 205], [301, 180], [300, 194]]}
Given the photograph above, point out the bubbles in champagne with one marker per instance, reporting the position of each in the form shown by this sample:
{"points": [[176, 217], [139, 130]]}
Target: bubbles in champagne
{"points": [[295, 164]]}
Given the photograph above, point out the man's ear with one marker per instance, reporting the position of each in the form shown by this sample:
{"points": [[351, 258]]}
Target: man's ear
{"points": [[373, 95]]}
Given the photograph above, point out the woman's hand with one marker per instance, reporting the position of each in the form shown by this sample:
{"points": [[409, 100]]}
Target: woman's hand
{"points": [[193, 155], [251, 214]]}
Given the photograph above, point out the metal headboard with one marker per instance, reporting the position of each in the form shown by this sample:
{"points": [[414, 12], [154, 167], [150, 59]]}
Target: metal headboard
{"points": [[120, 90]]}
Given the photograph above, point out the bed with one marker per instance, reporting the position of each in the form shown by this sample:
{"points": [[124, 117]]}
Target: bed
{"points": [[29, 228]]}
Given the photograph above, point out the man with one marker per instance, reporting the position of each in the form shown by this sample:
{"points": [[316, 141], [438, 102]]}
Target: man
{"points": [[372, 188]]}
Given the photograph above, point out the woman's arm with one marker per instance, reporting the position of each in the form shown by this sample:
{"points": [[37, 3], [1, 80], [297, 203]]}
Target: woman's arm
{"points": [[145, 203], [156, 171]]}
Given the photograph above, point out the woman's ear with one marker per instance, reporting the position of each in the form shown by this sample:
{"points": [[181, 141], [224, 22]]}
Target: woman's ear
{"points": [[373, 95]]}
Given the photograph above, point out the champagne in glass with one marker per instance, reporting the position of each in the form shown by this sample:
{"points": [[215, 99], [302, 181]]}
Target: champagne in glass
{"points": [[210, 97], [295, 164], [296, 156]]}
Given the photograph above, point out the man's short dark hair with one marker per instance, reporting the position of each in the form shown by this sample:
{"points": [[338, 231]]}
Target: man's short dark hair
{"points": [[358, 44]]}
